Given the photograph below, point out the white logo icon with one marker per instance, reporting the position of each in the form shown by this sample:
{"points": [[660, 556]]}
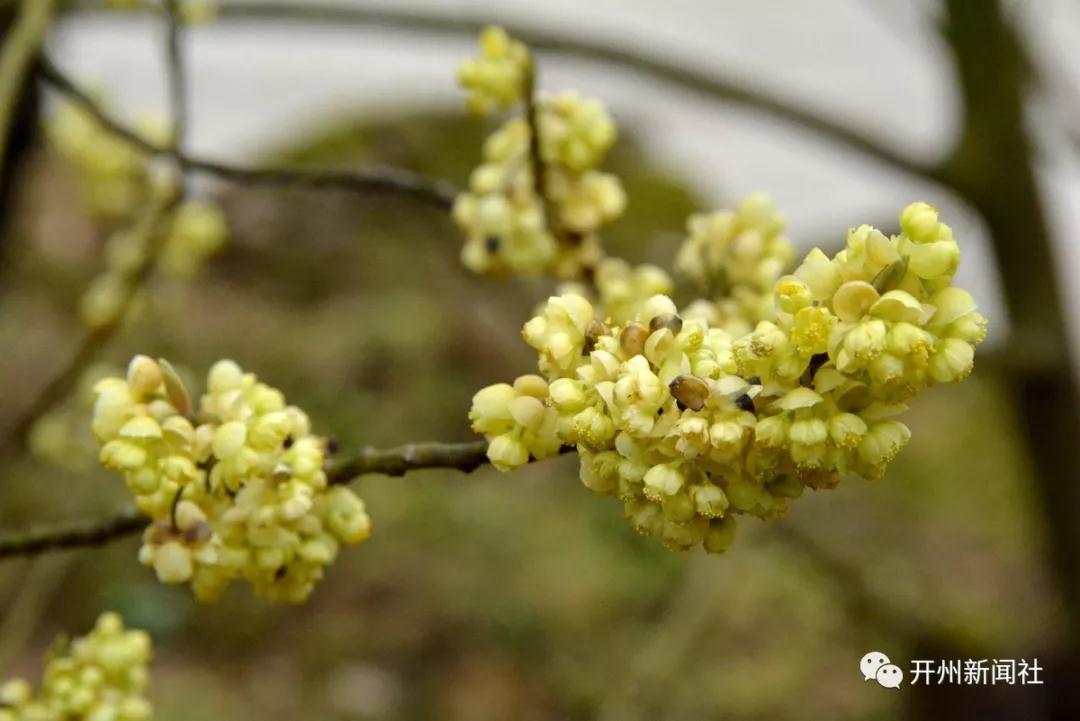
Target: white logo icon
{"points": [[876, 665], [890, 676]]}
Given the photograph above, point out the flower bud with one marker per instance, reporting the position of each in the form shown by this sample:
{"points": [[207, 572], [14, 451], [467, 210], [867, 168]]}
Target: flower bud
{"points": [[952, 361], [662, 480], [229, 438], [507, 452], [720, 535], [143, 376]]}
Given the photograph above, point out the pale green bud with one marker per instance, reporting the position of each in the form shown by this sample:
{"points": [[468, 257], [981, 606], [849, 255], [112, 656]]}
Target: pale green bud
{"points": [[225, 375], [663, 479], [122, 456], [646, 517], [772, 432], [600, 471], [952, 361], [819, 274], [809, 431], [934, 260], [678, 508], [172, 563], [883, 441], [567, 394], [229, 438], [846, 430], [747, 496], [527, 411], [143, 376], [720, 535], [507, 452], [896, 305], [919, 221], [709, 500], [684, 536], [853, 300], [792, 294]]}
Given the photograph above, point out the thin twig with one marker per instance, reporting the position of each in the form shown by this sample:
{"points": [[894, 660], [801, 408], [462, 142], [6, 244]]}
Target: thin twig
{"points": [[151, 225], [175, 74], [397, 461], [21, 618], [77, 534], [532, 117], [464, 457], [705, 82], [20, 47], [390, 181]]}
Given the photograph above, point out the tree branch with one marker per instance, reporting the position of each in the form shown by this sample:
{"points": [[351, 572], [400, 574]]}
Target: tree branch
{"points": [[175, 73], [77, 534], [152, 224], [439, 194], [705, 83], [396, 461]]}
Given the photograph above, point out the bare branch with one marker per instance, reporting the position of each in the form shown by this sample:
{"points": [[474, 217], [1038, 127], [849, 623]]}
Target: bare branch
{"points": [[391, 181], [396, 461], [152, 225], [175, 73], [464, 457], [78, 534], [707, 83]]}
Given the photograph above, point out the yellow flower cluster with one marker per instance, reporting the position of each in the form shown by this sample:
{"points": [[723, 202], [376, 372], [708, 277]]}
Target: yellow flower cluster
{"points": [[734, 258], [496, 79], [238, 494], [99, 677], [514, 222], [689, 424]]}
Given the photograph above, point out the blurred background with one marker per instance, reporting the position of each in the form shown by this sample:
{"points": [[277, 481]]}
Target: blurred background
{"points": [[490, 596]]}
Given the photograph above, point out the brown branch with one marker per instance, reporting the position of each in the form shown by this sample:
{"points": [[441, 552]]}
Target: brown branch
{"points": [[532, 117], [707, 83], [396, 461], [437, 193], [77, 534], [152, 224], [175, 73]]}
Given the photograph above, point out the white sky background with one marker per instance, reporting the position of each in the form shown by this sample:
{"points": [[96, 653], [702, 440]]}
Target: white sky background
{"points": [[874, 64]]}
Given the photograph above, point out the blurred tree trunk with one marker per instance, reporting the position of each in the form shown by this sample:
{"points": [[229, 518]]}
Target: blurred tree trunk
{"points": [[992, 167]]}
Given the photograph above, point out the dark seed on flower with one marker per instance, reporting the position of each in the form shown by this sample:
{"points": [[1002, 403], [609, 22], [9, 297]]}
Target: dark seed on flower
{"points": [[592, 334], [689, 391], [287, 444], [745, 403], [198, 533], [491, 243], [632, 339], [667, 320]]}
